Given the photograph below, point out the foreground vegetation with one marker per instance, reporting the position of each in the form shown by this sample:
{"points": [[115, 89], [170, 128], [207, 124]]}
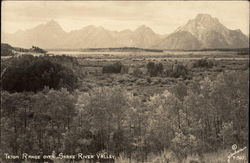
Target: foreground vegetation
{"points": [[167, 111]]}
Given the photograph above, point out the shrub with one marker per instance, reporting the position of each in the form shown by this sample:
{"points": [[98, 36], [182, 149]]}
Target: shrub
{"points": [[113, 68], [179, 70], [204, 62], [154, 69], [124, 69], [137, 72]]}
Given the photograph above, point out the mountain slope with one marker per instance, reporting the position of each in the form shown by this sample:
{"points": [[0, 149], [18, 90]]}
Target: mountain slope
{"points": [[44, 35], [212, 34], [88, 37], [145, 37], [179, 40]]}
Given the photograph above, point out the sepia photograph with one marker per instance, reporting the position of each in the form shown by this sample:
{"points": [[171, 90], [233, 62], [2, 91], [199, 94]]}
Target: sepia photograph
{"points": [[124, 81]]}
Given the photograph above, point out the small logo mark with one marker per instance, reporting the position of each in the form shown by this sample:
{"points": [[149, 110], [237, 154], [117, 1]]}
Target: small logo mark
{"points": [[234, 147]]}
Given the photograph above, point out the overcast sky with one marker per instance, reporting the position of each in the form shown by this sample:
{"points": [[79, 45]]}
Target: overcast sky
{"points": [[162, 16]]}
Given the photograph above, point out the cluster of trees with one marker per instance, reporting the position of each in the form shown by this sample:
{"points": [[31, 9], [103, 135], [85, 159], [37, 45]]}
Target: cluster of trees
{"points": [[37, 49], [30, 73], [33, 123], [6, 50], [178, 69], [112, 68], [202, 116], [154, 68], [175, 70], [204, 62]]}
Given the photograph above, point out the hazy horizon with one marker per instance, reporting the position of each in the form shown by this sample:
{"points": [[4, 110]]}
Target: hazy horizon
{"points": [[160, 16]]}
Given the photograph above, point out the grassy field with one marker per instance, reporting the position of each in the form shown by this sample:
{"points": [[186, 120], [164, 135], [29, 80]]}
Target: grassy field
{"points": [[144, 84]]}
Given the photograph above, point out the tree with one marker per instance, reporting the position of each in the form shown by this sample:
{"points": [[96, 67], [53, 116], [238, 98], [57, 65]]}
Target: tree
{"points": [[105, 111], [154, 69], [6, 50], [29, 73], [113, 68], [36, 122]]}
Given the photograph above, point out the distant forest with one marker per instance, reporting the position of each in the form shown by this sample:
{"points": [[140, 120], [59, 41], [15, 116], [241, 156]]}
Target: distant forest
{"points": [[241, 51]]}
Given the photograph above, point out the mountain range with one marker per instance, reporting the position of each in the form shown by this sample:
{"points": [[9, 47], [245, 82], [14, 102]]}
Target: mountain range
{"points": [[202, 32]]}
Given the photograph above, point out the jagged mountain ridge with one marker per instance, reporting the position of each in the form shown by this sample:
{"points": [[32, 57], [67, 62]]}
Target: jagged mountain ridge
{"points": [[203, 31], [209, 32], [51, 35]]}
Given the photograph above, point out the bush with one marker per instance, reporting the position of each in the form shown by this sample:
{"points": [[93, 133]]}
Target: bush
{"points": [[179, 70], [29, 73], [137, 72], [124, 69], [154, 69], [204, 62], [113, 68]]}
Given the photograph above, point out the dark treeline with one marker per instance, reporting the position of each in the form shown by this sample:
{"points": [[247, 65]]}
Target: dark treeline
{"points": [[216, 49], [203, 116], [123, 49]]}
